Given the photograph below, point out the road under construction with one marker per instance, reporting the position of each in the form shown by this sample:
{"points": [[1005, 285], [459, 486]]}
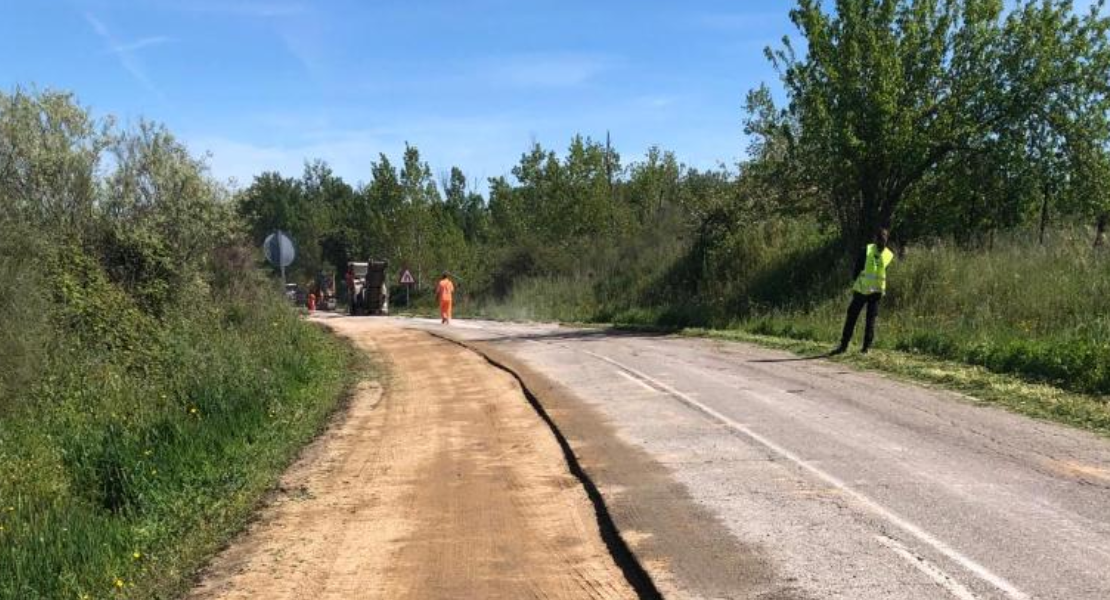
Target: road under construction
{"points": [[501, 460]]}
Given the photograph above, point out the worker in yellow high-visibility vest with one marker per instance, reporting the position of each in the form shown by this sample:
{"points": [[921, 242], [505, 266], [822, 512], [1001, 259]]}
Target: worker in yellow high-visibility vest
{"points": [[868, 289]]}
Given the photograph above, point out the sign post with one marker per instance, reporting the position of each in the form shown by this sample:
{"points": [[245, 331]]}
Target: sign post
{"points": [[280, 252], [407, 280]]}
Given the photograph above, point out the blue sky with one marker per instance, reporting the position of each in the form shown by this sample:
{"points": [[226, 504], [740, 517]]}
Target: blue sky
{"points": [[267, 84]]}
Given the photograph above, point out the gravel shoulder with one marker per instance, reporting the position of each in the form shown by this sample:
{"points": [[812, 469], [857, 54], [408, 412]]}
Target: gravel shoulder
{"points": [[443, 483]]}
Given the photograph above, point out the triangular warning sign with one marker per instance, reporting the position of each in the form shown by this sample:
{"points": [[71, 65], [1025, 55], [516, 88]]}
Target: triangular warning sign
{"points": [[406, 277]]}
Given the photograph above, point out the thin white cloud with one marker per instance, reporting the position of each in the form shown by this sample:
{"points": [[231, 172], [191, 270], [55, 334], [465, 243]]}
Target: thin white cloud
{"points": [[142, 43], [655, 101], [547, 70], [260, 9], [305, 47], [124, 54]]}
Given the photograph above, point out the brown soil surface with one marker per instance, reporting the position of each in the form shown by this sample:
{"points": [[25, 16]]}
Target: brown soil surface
{"points": [[445, 485]]}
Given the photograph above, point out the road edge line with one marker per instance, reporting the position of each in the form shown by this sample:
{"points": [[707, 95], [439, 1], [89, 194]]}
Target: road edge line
{"points": [[866, 502], [623, 556]]}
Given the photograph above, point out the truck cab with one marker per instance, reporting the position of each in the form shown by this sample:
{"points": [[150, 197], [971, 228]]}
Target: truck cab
{"points": [[367, 290]]}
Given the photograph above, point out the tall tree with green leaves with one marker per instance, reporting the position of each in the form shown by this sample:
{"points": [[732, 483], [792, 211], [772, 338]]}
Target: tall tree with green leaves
{"points": [[50, 150], [890, 91], [421, 197]]}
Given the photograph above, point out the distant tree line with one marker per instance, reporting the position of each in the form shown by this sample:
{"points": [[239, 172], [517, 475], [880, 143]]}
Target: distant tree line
{"points": [[533, 223], [947, 119]]}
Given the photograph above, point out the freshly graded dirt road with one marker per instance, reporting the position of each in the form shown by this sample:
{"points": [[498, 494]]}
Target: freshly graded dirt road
{"points": [[446, 484]]}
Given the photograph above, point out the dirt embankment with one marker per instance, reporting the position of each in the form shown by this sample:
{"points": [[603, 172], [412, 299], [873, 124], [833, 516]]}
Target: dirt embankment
{"points": [[444, 485]]}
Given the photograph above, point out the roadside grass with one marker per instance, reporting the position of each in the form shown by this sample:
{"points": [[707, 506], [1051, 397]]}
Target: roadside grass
{"points": [[119, 478], [1040, 313], [1018, 324]]}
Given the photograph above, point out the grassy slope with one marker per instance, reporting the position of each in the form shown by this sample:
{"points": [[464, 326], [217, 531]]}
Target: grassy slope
{"points": [[119, 482]]}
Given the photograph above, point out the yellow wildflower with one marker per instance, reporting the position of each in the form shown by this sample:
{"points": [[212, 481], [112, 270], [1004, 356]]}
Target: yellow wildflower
{"points": [[136, 555], [119, 582]]}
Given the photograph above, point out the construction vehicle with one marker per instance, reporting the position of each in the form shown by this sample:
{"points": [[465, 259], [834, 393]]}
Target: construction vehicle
{"points": [[293, 294], [367, 290], [325, 291]]}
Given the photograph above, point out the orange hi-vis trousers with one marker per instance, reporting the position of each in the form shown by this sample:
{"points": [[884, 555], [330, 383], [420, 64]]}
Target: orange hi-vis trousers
{"points": [[445, 306]]}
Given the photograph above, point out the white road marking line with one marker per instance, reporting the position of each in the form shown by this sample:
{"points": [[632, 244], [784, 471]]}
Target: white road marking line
{"points": [[874, 507], [639, 382], [929, 569]]}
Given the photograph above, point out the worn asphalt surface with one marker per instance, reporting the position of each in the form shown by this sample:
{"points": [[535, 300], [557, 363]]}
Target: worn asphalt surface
{"points": [[737, 472]]}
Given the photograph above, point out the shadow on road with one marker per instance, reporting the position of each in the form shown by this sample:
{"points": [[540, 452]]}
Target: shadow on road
{"points": [[794, 359], [575, 334]]}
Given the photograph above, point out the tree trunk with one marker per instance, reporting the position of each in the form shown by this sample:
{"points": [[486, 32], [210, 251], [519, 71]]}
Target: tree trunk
{"points": [[1100, 229], [1044, 212], [869, 217]]}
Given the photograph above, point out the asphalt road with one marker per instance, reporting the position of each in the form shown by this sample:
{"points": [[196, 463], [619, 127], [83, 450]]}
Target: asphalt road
{"points": [[805, 479]]}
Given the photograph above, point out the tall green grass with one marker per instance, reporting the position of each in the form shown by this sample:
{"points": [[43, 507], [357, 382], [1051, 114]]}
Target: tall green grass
{"points": [[131, 458], [1037, 312]]}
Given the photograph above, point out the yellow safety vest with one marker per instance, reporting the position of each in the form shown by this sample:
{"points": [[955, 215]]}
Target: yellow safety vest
{"points": [[873, 277]]}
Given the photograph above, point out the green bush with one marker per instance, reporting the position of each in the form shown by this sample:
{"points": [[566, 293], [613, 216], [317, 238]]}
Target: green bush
{"points": [[120, 480], [24, 331], [1019, 308], [152, 383]]}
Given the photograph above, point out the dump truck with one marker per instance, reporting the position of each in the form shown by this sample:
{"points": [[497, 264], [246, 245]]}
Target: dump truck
{"points": [[367, 290]]}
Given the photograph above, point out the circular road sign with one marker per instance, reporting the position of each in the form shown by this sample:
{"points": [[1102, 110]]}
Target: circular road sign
{"points": [[279, 249]]}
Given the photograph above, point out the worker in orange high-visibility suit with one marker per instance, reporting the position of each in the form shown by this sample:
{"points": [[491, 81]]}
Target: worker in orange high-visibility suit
{"points": [[445, 293]]}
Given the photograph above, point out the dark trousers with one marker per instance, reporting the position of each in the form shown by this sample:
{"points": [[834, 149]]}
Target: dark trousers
{"points": [[858, 301]]}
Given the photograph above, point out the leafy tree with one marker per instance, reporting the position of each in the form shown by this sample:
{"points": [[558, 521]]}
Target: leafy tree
{"points": [[467, 208], [890, 91], [454, 195], [507, 214], [269, 203], [157, 184], [383, 210], [421, 195], [654, 182], [50, 150]]}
